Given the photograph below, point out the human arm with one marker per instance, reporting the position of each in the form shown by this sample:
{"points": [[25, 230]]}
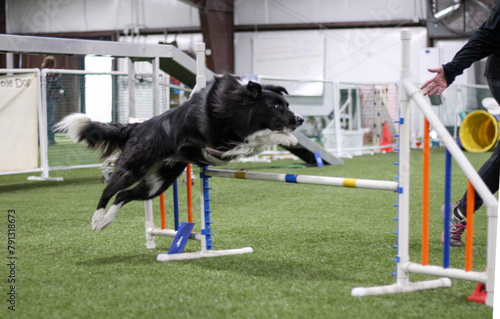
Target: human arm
{"points": [[484, 42]]}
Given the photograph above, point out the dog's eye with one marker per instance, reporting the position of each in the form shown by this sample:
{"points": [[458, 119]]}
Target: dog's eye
{"points": [[279, 106]]}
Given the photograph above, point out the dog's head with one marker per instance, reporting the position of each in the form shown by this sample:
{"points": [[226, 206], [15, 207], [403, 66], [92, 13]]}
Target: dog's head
{"points": [[270, 108], [246, 118]]}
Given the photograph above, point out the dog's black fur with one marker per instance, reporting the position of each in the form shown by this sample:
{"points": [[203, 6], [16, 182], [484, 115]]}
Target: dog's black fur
{"points": [[217, 124]]}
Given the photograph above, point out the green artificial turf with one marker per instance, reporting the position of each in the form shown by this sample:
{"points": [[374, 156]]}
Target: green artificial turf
{"points": [[66, 153], [312, 245]]}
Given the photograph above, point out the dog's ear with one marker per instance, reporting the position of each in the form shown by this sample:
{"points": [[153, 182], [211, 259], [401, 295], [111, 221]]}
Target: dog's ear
{"points": [[255, 89], [276, 89]]}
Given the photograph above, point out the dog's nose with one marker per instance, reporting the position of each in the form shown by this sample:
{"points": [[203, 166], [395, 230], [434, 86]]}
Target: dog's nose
{"points": [[299, 120]]}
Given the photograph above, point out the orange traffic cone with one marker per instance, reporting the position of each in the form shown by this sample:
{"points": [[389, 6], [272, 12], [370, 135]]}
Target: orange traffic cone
{"points": [[386, 138]]}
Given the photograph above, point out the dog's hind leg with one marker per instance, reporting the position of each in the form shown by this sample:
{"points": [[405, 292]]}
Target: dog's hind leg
{"points": [[120, 179], [149, 187]]}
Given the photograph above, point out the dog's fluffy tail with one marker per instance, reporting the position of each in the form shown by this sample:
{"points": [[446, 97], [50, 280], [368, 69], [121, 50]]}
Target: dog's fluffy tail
{"points": [[106, 138]]}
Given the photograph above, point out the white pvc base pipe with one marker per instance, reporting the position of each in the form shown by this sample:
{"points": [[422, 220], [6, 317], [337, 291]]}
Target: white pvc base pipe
{"points": [[204, 254], [448, 272], [398, 288], [171, 233], [46, 179]]}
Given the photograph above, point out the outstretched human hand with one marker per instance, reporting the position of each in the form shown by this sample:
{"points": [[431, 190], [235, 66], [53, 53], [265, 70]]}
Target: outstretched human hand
{"points": [[437, 84]]}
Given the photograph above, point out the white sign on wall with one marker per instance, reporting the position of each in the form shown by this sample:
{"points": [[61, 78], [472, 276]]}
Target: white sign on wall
{"points": [[18, 122]]}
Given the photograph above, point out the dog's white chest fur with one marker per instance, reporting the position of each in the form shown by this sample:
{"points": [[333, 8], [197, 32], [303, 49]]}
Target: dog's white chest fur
{"points": [[253, 145]]}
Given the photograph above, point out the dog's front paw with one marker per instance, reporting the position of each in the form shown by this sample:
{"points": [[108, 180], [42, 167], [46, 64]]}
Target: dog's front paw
{"points": [[288, 140], [97, 219]]}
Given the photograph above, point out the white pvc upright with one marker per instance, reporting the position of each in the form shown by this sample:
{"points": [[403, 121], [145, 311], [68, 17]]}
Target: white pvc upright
{"points": [[336, 111], [495, 299], [156, 85], [150, 239], [201, 83], [404, 164], [492, 213], [44, 157], [131, 88], [201, 78]]}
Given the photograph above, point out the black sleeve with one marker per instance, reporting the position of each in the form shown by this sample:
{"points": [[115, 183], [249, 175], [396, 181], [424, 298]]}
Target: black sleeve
{"points": [[483, 43]]}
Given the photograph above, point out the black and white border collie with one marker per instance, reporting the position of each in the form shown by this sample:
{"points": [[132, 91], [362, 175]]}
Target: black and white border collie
{"points": [[218, 124]]}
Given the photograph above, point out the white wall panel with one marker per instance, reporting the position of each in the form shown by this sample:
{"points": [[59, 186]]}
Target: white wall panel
{"points": [[28, 16], [352, 55], [317, 11]]}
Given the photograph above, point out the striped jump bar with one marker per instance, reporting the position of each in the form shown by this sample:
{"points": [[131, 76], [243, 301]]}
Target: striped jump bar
{"points": [[305, 179]]}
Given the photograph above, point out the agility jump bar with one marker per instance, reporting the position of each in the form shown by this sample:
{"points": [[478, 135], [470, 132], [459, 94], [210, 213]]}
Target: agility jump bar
{"points": [[306, 179]]}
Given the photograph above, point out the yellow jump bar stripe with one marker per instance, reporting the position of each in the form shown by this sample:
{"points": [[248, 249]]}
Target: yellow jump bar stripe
{"points": [[239, 174], [350, 182]]}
